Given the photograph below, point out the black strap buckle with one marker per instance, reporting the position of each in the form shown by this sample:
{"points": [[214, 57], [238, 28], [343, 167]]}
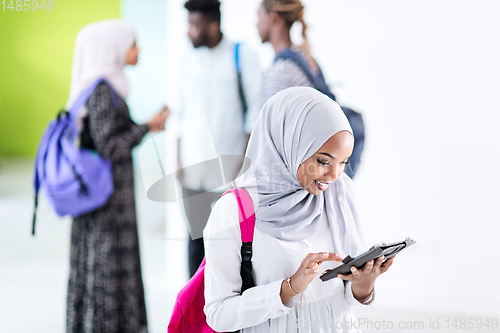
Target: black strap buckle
{"points": [[246, 251]]}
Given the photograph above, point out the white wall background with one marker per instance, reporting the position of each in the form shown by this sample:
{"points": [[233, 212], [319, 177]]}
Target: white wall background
{"points": [[425, 74]]}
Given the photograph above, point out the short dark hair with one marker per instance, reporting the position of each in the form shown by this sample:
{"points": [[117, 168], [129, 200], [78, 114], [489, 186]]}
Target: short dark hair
{"points": [[210, 9]]}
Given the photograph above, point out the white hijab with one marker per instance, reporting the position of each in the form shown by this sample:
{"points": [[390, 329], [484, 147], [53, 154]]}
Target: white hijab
{"points": [[100, 51], [291, 127]]}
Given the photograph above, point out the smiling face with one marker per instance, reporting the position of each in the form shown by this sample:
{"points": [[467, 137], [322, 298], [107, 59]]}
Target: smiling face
{"points": [[327, 164]]}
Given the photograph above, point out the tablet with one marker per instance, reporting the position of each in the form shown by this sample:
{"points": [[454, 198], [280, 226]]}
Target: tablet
{"points": [[387, 250]]}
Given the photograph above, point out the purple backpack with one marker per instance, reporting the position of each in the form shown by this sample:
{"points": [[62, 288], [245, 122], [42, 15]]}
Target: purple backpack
{"points": [[74, 180], [188, 315]]}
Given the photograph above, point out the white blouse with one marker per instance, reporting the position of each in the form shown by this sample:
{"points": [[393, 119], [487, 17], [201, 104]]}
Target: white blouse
{"points": [[325, 305]]}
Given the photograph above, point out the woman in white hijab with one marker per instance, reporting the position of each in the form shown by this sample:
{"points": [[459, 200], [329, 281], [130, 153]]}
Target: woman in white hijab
{"points": [[105, 292], [305, 219]]}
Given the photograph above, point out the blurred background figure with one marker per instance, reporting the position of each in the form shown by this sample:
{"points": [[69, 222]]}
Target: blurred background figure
{"points": [[210, 89], [275, 21], [105, 292], [294, 65]]}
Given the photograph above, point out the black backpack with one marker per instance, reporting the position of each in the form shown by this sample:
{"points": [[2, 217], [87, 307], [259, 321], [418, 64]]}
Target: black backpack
{"points": [[355, 118]]}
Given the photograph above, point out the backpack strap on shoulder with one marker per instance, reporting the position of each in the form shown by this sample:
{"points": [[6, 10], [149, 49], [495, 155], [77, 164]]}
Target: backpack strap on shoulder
{"points": [[247, 226], [241, 91], [318, 80], [84, 96], [246, 213]]}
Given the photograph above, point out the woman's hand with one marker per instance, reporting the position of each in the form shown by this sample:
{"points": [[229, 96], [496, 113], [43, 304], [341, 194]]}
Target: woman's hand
{"points": [[306, 272], [157, 123], [309, 268], [363, 280]]}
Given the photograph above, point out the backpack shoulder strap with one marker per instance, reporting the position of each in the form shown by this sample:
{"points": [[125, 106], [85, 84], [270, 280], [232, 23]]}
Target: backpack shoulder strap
{"points": [[39, 165], [246, 213], [84, 96], [247, 225], [289, 54], [241, 91], [237, 57], [318, 80]]}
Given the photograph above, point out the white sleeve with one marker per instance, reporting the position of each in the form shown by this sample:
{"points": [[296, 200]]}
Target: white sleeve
{"points": [[251, 77], [225, 308], [350, 297]]}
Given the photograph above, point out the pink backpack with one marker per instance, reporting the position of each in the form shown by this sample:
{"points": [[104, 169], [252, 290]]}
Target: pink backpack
{"points": [[188, 315]]}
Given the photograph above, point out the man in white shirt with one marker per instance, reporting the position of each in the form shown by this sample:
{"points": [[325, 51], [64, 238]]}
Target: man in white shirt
{"points": [[218, 111]]}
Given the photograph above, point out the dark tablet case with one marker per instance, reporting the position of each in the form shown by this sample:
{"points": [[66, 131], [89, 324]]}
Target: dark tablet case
{"points": [[387, 250]]}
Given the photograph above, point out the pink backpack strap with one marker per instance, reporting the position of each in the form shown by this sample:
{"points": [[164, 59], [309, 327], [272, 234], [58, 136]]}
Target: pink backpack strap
{"points": [[246, 213], [247, 225]]}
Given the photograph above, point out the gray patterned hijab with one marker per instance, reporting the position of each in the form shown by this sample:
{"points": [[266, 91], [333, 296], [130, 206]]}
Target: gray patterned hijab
{"points": [[291, 127]]}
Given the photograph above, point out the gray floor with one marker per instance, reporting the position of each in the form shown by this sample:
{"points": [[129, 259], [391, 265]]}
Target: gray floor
{"points": [[33, 271]]}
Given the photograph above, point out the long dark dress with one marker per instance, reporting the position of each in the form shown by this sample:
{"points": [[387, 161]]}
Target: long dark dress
{"points": [[105, 292]]}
